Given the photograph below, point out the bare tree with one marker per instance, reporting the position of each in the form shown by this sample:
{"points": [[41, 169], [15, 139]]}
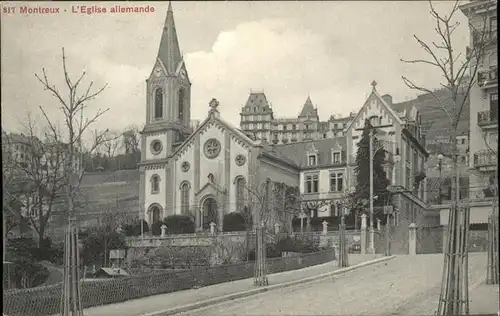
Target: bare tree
{"points": [[459, 73], [131, 139], [111, 143], [43, 172], [73, 105], [272, 202]]}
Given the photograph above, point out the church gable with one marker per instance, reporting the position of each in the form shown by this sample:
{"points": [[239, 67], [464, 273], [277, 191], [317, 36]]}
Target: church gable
{"points": [[374, 106], [158, 70], [181, 71], [216, 127]]}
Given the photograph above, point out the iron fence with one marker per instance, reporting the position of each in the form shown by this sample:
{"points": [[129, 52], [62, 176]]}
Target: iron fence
{"points": [[41, 301]]}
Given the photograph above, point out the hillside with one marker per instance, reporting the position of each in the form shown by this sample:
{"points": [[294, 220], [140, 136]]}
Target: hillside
{"points": [[435, 122], [103, 192]]}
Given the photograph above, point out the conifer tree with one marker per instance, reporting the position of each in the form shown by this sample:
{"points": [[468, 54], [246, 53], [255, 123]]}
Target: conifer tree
{"points": [[362, 172]]}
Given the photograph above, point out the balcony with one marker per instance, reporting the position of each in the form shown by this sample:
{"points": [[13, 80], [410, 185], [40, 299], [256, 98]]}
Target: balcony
{"points": [[487, 119], [488, 78], [485, 160]]}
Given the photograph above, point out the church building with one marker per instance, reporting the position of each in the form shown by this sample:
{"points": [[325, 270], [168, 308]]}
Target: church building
{"points": [[205, 173]]}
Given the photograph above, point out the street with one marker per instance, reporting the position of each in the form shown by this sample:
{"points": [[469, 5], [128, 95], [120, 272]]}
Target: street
{"points": [[402, 286]]}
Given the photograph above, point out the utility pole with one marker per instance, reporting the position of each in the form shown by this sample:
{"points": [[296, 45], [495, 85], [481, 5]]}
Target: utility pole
{"points": [[260, 277], [343, 261], [492, 275], [372, 129]]}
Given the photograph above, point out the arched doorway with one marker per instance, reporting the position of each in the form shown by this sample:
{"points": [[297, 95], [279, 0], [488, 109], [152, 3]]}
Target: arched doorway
{"points": [[154, 214], [209, 213]]}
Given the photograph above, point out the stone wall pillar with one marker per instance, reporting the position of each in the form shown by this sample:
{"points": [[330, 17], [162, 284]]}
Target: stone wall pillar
{"points": [[325, 228], [163, 231], [364, 234], [412, 239]]}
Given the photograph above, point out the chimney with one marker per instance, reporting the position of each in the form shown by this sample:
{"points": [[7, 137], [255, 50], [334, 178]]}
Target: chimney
{"points": [[387, 98]]}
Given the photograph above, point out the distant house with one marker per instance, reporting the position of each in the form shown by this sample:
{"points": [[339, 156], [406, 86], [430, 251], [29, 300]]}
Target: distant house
{"points": [[104, 273]]}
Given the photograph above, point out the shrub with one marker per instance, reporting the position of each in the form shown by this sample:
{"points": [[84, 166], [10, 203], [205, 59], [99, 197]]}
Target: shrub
{"points": [[24, 253], [179, 224], [296, 245], [234, 222], [272, 251], [156, 228], [28, 273], [98, 243], [134, 228]]}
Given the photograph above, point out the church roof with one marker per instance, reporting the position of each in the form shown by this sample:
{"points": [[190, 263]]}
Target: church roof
{"points": [[169, 52], [308, 109], [297, 152]]}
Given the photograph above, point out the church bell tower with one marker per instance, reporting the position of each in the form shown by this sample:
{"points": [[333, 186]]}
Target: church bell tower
{"points": [[168, 108]]}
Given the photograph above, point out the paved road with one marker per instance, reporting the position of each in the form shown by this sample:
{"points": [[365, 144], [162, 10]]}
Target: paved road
{"points": [[402, 286], [156, 303]]}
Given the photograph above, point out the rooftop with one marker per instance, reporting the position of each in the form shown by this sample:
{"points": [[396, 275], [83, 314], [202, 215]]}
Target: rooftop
{"points": [[296, 152]]}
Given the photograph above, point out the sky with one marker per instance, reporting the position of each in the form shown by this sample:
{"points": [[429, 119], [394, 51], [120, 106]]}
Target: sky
{"points": [[330, 51]]}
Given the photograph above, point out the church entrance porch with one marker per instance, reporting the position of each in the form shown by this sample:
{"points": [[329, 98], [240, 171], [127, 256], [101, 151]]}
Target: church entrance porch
{"points": [[154, 212], [209, 214]]}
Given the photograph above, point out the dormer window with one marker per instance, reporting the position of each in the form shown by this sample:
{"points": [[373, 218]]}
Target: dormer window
{"points": [[312, 160], [336, 157]]}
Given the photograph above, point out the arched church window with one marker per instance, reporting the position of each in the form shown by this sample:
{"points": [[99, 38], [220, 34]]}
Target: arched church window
{"points": [[181, 105], [158, 103], [155, 184], [240, 194], [185, 198]]}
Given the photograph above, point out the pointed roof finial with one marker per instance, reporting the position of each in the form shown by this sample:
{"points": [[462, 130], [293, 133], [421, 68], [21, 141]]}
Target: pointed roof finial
{"points": [[169, 6], [374, 85]]}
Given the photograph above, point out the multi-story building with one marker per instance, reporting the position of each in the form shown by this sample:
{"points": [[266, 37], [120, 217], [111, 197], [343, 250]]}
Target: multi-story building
{"points": [[258, 122], [402, 139], [483, 97], [18, 148]]}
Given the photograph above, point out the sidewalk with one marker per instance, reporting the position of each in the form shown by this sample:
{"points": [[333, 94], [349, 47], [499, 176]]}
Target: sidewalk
{"points": [[155, 303], [484, 299]]}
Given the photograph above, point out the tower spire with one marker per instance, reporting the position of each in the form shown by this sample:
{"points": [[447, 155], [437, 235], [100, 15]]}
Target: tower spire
{"points": [[169, 52]]}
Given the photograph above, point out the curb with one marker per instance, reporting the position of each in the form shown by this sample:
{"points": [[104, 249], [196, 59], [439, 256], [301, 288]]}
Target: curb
{"points": [[229, 297]]}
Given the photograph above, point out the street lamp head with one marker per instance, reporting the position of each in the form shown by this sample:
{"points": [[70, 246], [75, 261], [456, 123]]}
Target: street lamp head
{"points": [[440, 157]]}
